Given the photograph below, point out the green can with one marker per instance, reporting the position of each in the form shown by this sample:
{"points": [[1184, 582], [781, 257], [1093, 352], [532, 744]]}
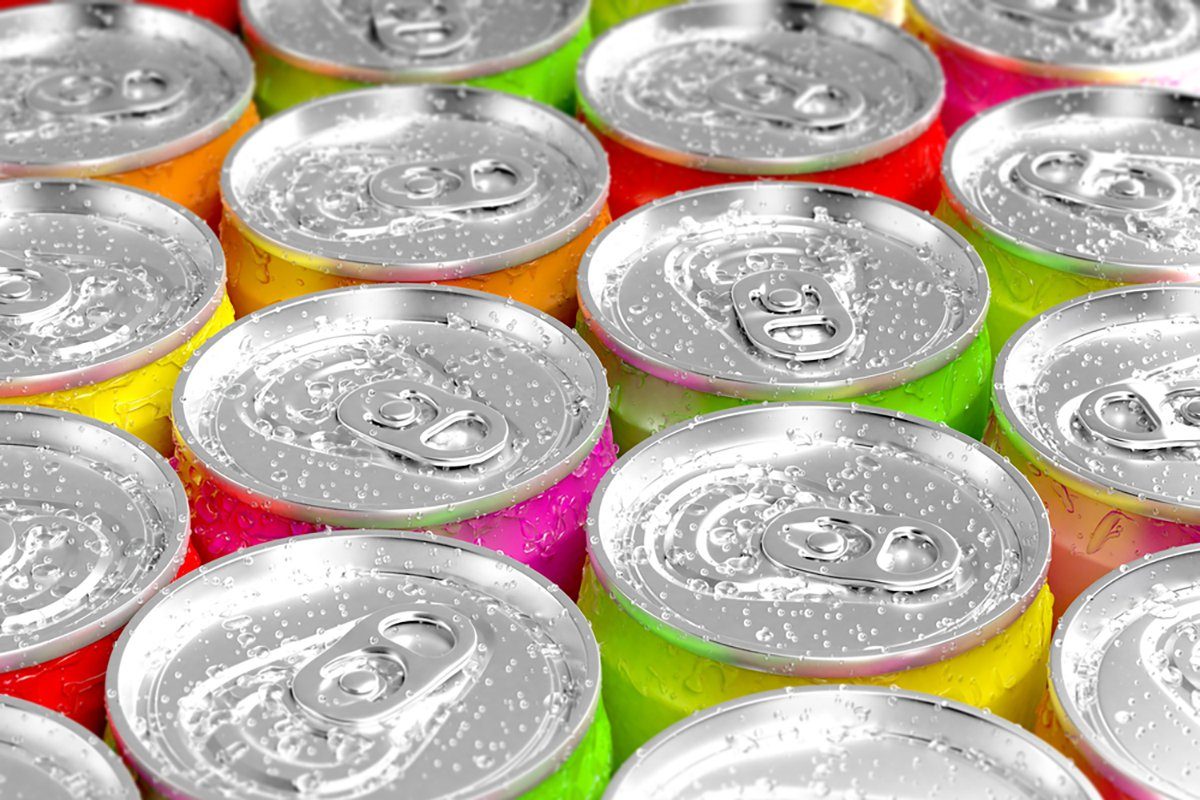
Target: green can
{"points": [[770, 291], [304, 49]]}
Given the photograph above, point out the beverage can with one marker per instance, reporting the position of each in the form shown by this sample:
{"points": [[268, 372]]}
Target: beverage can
{"points": [[606, 13], [222, 12]]}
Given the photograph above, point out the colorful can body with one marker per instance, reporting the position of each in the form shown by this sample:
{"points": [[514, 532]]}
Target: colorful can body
{"points": [[413, 184], [996, 50], [1071, 192], [361, 665], [1123, 678], [715, 93], [733, 295], [92, 524], [105, 292], [140, 95], [606, 13], [802, 543], [396, 407], [222, 12], [305, 49], [1098, 403]]}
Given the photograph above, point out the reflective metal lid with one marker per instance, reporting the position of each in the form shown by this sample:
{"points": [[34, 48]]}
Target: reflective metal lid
{"points": [[1104, 392], [45, 756], [97, 280], [410, 41], [1113, 40], [783, 291], [355, 665], [820, 540], [1100, 181], [1125, 675], [851, 742], [92, 522], [391, 405], [100, 88], [416, 183], [760, 88]]}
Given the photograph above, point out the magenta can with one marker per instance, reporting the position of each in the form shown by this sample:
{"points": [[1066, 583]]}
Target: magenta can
{"points": [[396, 407], [995, 50]]}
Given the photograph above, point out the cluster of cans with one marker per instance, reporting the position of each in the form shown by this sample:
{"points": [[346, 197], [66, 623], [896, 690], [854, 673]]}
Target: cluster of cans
{"points": [[318, 347]]}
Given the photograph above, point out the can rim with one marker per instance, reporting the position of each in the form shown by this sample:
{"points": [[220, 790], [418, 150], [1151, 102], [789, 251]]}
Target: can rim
{"points": [[590, 105], [155, 154]]}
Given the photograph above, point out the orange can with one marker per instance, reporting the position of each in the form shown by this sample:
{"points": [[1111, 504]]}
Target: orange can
{"points": [[414, 184], [141, 95]]}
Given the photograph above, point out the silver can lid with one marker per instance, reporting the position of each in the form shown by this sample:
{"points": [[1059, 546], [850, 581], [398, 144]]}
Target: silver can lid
{"points": [[355, 665], [92, 523], [783, 87], [391, 405], [97, 280], [411, 41], [1099, 181], [774, 291], [99, 88], [847, 741], [819, 540], [416, 183], [1104, 393], [1125, 672], [45, 756], [1095, 40]]}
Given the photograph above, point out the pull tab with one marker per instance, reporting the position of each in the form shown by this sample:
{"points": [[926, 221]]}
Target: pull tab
{"points": [[873, 551], [455, 184], [1100, 180], [422, 423], [1063, 12], [420, 28], [777, 307], [1141, 416], [99, 94], [818, 104], [388, 661], [30, 291]]}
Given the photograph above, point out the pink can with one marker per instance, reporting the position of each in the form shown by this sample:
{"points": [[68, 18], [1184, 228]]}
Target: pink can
{"points": [[401, 407], [995, 50]]}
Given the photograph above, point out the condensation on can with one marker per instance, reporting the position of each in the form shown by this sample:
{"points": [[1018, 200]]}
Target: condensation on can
{"points": [[607, 13]]}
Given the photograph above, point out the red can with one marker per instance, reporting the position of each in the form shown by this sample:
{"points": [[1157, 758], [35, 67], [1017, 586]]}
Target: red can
{"points": [[698, 95], [222, 12]]}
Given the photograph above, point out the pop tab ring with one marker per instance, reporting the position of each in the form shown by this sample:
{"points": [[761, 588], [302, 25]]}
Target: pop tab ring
{"points": [[819, 104], [420, 28], [770, 305], [455, 184], [1102, 180], [104, 94], [1173, 414], [1062, 12]]}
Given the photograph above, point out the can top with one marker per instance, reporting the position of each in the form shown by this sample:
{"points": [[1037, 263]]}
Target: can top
{"points": [[847, 741], [391, 405], [97, 280], [819, 540], [1097, 181], [45, 756], [781, 87], [101, 88], [1104, 393], [411, 41], [779, 290], [353, 665], [416, 183], [1088, 40], [92, 522], [1124, 671]]}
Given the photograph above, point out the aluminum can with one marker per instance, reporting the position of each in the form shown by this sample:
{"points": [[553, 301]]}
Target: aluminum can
{"points": [[222, 12], [1070, 192], [396, 407], [1098, 403], [105, 292], [45, 756], [699, 95], [92, 523], [606, 13], [1123, 678], [306, 49], [361, 665], [734, 295], [461, 186], [140, 95], [847, 741], [997, 50], [806, 543]]}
